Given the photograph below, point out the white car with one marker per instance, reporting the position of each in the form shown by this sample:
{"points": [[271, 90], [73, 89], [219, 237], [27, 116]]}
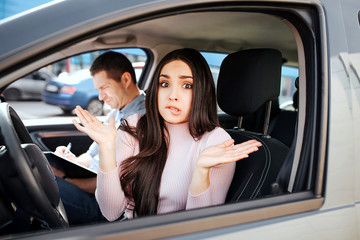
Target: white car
{"points": [[29, 87], [304, 182]]}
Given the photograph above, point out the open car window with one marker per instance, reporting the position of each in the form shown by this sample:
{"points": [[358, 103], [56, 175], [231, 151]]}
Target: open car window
{"points": [[217, 31], [54, 90]]}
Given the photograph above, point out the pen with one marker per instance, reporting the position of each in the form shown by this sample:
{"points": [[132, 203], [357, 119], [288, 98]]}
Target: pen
{"points": [[67, 149]]}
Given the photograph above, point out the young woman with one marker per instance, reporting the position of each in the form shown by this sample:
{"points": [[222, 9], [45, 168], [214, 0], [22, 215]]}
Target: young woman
{"points": [[175, 157]]}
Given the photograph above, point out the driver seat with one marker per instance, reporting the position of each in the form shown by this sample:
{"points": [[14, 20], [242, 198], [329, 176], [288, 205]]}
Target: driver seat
{"points": [[248, 80]]}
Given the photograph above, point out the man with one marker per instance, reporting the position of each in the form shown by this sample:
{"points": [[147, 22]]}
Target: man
{"points": [[114, 77]]}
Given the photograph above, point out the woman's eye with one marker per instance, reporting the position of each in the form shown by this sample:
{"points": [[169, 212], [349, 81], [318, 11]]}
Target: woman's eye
{"points": [[164, 84], [187, 86]]}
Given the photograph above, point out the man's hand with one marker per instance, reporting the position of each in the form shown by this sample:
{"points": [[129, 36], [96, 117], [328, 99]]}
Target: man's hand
{"points": [[60, 150]]}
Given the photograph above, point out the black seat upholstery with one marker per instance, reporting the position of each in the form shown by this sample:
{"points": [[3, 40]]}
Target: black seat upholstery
{"points": [[247, 80]]}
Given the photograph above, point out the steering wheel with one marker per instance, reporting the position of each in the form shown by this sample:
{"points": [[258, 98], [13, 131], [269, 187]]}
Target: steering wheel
{"points": [[26, 178]]}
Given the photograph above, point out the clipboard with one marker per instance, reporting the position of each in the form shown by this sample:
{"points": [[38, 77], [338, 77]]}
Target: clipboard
{"points": [[70, 168]]}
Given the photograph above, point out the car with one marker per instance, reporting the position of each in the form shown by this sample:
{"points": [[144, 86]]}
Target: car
{"points": [[71, 90], [29, 87], [303, 188]]}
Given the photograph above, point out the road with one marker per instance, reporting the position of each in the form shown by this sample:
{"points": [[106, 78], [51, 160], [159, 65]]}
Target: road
{"points": [[35, 109]]}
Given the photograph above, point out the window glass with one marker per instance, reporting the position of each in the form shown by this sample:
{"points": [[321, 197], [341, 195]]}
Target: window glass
{"points": [[54, 90], [287, 87], [214, 60]]}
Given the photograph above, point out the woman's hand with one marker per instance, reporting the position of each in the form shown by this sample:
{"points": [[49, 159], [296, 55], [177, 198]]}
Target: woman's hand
{"points": [[216, 155], [95, 129], [103, 135], [226, 153]]}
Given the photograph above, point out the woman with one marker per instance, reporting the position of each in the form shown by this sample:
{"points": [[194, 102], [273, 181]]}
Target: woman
{"points": [[176, 156]]}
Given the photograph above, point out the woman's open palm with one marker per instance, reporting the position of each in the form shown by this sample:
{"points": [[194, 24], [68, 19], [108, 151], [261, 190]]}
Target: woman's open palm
{"points": [[226, 153], [95, 129]]}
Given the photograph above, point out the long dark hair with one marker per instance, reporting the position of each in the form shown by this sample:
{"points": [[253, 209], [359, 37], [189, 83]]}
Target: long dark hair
{"points": [[141, 174]]}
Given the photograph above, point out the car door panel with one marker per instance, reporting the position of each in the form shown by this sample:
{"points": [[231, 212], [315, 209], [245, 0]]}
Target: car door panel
{"points": [[48, 137]]}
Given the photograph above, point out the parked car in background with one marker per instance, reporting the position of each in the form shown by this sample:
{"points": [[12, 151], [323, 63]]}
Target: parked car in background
{"points": [[67, 91], [29, 87]]}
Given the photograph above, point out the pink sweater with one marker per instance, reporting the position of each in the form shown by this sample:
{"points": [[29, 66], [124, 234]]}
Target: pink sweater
{"points": [[174, 189]]}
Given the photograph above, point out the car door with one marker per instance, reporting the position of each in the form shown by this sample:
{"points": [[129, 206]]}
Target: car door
{"points": [[319, 202]]}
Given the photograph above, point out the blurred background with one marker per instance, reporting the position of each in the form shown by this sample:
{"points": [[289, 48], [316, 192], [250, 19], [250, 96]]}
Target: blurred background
{"points": [[12, 7]]}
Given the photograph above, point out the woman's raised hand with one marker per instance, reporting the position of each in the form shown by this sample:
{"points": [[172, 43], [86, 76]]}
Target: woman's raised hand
{"points": [[216, 155], [226, 153], [95, 129]]}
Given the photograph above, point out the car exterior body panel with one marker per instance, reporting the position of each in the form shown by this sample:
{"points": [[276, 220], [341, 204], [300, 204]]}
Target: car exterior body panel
{"points": [[331, 211]]}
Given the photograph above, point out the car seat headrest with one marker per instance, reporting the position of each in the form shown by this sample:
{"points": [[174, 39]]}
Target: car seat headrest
{"points": [[248, 79]]}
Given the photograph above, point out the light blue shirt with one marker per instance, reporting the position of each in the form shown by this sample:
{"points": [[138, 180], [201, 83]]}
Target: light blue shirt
{"points": [[135, 106]]}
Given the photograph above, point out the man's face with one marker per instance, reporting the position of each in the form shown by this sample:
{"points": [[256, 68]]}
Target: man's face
{"points": [[111, 92]]}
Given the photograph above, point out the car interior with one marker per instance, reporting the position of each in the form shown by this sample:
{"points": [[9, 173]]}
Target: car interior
{"points": [[257, 42], [242, 75]]}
